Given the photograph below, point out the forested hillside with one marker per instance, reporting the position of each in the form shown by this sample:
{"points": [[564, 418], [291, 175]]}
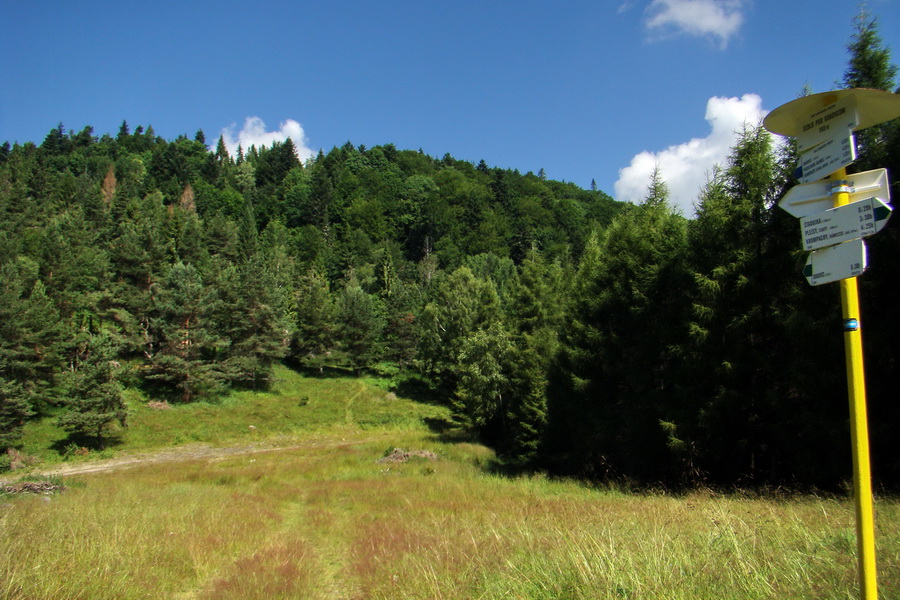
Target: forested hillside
{"points": [[571, 332]]}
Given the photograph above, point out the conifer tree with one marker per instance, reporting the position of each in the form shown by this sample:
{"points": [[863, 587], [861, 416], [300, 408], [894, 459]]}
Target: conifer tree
{"points": [[744, 289], [870, 67], [181, 346], [94, 395], [246, 315], [361, 321], [627, 308], [30, 333], [14, 411], [315, 336], [538, 314]]}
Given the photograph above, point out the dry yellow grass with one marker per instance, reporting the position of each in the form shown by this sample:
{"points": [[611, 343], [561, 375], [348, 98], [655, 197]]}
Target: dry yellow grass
{"points": [[325, 519]]}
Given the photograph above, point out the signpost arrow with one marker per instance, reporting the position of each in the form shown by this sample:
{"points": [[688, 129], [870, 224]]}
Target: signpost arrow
{"points": [[844, 223], [810, 198], [828, 156], [835, 263]]}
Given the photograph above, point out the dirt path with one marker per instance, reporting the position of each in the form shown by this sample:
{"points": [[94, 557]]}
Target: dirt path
{"points": [[180, 454]]}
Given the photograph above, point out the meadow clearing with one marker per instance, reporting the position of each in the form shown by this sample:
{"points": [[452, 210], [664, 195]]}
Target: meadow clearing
{"points": [[300, 493]]}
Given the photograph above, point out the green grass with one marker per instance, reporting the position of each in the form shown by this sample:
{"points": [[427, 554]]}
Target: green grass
{"points": [[324, 518], [295, 406]]}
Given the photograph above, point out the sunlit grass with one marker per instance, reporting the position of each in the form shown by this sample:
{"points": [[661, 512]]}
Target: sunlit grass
{"points": [[323, 518], [295, 407]]}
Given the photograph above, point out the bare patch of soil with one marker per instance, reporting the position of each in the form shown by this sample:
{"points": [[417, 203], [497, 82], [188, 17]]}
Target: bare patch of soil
{"points": [[399, 455]]}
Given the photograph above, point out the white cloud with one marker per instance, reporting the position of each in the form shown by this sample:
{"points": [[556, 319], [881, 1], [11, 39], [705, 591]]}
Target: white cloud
{"points": [[254, 134], [719, 19], [685, 167]]}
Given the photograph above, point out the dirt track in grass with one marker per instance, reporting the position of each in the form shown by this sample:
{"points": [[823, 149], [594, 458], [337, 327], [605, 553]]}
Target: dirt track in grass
{"points": [[180, 454]]}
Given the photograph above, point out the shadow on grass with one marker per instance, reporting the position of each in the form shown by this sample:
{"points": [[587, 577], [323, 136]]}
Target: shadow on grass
{"points": [[324, 370], [75, 443], [417, 388]]}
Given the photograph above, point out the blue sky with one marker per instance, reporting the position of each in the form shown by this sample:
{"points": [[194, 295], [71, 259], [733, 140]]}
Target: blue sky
{"points": [[586, 90]]}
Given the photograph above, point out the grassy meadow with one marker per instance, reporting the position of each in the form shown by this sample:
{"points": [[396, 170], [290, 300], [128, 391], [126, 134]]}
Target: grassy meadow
{"points": [[313, 504]]}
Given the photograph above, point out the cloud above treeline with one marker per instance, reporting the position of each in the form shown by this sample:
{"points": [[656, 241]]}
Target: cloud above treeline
{"points": [[719, 20], [254, 133], [686, 167]]}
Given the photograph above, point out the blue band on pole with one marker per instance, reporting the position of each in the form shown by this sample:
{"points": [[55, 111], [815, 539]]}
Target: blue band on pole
{"points": [[851, 325]]}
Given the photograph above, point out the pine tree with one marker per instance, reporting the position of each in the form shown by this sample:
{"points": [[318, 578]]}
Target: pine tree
{"points": [[628, 304], [94, 395], [315, 336], [30, 334], [360, 318], [181, 347], [537, 310], [245, 315], [14, 411]]}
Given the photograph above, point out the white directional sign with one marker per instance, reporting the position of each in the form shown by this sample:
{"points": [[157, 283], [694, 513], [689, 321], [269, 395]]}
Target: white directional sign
{"points": [[838, 119], [844, 223], [827, 157], [810, 198], [835, 263]]}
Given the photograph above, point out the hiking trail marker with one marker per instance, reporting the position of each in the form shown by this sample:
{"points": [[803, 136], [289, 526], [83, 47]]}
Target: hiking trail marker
{"points": [[823, 125], [844, 223], [809, 198]]}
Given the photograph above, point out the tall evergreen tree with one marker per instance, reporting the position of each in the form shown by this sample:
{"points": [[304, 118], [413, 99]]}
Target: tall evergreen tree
{"points": [[361, 321], [30, 334], [315, 336], [94, 395], [627, 309], [246, 316], [744, 296], [538, 314], [181, 345]]}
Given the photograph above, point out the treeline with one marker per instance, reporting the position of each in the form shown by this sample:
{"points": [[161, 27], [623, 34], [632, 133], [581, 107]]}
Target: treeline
{"points": [[571, 332], [193, 271]]}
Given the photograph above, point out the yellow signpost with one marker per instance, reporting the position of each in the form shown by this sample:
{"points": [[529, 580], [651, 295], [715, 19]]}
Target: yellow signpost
{"points": [[823, 125]]}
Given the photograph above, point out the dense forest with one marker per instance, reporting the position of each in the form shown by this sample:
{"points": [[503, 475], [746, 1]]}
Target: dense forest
{"points": [[571, 332]]}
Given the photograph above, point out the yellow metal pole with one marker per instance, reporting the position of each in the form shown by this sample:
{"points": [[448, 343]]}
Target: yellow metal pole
{"points": [[859, 428]]}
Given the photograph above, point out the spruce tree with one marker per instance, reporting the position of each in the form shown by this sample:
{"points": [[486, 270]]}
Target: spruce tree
{"points": [[14, 411], [180, 345], [361, 321], [94, 395], [538, 314], [628, 304], [744, 294], [315, 336], [246, 315]]}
